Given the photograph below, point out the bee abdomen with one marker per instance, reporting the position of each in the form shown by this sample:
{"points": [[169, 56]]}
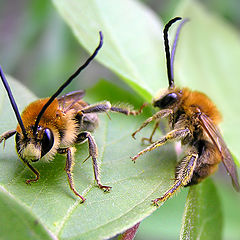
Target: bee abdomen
{"points": [[207, 163]]}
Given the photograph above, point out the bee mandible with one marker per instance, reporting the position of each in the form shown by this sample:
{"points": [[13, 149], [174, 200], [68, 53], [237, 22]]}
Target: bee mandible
{"points": [[54, 125], [193, 120]]}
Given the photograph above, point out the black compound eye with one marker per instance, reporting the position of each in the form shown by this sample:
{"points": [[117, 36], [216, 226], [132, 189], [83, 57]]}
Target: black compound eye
{"points": [[47, 141], [166, 101]]}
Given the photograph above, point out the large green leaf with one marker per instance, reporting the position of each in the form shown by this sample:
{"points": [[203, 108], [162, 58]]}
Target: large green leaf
{"points": [[103, 215], [133, 46], [15, 216], [202, 218]]}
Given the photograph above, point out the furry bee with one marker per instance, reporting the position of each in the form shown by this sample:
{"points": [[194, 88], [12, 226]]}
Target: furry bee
{"points": [[193, 120], [54, 125]]}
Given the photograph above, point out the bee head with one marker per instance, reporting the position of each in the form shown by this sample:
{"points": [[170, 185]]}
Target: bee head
{"points": [[168, 100], [35, 146]]}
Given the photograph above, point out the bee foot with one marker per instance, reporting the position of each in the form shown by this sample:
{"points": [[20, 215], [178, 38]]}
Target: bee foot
{"points": [[82, 199], [105, 188], [133, 135], [155, 202], [28, 181], [148, 140], [134, 158]]}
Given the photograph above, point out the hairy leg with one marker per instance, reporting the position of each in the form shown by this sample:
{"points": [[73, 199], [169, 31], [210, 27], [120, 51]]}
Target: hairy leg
{"points": [[35, 171], [175, 134], [161, 114], [68, 169], [183, 177], [106, 106], [92, 146]]}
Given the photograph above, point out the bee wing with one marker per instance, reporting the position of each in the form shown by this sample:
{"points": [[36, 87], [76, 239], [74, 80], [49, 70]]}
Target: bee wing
{"points": [[72, 96], [216, 137], [68, 100]]}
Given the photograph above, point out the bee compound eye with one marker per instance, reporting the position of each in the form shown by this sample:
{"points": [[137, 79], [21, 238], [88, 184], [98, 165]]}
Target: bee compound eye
{"points": [[166, 101], [47, 141]]}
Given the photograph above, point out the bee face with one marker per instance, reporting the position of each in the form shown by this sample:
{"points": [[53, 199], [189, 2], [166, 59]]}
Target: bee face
{"points": [[33, 148], [168, 100]]}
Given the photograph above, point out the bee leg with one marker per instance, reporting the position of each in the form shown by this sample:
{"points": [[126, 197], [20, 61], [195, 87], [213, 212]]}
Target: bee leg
{"points": [[68, 169], [106, 106], [97, 108], [183, 177], [35, 171], [175, 134], [153, 132], [127, 111], [7, 135], [92, 146], [161, 114]]}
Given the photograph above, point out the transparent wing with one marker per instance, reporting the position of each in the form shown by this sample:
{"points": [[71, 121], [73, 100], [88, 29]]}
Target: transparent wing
{"points": [[75, 95], [68, 100], [216, 137]]}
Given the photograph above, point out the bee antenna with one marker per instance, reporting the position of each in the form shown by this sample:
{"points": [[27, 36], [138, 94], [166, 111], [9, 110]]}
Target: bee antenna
{"points": [[175, 43], [66, 83], [13, 103], [167, 51]]}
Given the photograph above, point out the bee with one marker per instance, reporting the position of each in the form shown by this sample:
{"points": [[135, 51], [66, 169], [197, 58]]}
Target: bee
{"points": [[193, 120], [56, 124]]}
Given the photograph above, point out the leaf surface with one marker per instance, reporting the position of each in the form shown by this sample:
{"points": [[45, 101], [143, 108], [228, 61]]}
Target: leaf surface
{"points": [[202, 218], [14, 215]]}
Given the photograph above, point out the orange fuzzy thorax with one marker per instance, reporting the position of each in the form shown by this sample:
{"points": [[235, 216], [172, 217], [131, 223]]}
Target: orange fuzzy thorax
{"points": [[51, 116], [192, 99]]}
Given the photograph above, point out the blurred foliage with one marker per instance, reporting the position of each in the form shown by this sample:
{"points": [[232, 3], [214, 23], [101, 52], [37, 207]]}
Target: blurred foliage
{"points": [[38, 48]]}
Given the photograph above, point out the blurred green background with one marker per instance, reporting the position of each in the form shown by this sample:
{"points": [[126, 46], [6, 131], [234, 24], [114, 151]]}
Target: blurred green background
{"points": [[38, 48]]}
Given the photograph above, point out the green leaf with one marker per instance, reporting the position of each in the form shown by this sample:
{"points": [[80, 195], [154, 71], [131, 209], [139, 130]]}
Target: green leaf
{"points": [[231, 211], [132, 47], [103, 215], [17, 222], [158, 223], [207, 60], [202, 217]]}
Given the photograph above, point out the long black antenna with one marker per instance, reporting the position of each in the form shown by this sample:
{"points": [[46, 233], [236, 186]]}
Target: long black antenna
{"points": [[13, 103], [167, 51], [175, 44], [69, 80]]}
